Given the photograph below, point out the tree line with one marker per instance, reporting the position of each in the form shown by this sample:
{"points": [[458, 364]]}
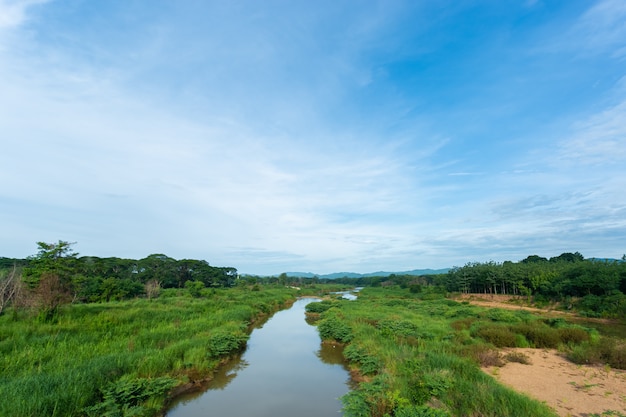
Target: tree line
{"points": [[593, 285], [57, 275]]}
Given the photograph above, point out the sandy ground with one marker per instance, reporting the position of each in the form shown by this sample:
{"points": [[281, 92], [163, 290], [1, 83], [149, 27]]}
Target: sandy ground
{"points": [[571, 390]]}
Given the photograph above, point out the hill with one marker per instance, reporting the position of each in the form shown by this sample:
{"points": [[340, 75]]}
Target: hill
{"points": [[336, 275]]}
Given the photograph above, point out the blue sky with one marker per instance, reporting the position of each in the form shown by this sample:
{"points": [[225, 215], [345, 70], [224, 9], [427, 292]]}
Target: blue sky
{"points": [[314, 136]]}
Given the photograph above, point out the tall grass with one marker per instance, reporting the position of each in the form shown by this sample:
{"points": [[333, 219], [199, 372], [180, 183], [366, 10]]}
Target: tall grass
{"points": [[101, 353]]}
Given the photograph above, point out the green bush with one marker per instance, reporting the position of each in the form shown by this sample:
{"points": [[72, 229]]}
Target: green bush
{"points": [[497, 335], [573, 335], [223, 344], [333, 328], [606, 350], [320, 307], [539, 335], [368, 364], [134, 397], [397, 328]]}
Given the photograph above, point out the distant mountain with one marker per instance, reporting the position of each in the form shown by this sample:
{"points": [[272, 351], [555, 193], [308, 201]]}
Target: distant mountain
{"points": [[336, 275]]}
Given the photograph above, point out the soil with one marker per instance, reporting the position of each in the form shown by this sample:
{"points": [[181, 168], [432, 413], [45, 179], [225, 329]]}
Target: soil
{"points": [[571, 390]]}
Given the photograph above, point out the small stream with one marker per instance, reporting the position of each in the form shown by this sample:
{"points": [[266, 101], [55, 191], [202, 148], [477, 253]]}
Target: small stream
{"points": [[285, 371]]}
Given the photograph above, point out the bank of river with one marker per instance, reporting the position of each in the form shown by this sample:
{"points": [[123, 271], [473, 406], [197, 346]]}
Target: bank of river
{"points": [[285, 371]]}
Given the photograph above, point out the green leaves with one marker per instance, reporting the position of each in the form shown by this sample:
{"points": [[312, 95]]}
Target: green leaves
{"points": [[334, 328], [132, 397]]}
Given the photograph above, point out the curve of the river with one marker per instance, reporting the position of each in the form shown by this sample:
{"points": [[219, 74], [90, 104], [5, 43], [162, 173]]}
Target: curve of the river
{"points": [[285, 371]]}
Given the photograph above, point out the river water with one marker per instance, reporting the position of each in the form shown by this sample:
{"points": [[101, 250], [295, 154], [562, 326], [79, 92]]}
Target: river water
{"points": [[285, 371]]}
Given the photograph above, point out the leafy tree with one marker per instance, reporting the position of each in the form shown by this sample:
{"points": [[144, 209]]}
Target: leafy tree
{"points": [[49, 276], [534, 259], [568, 257]]}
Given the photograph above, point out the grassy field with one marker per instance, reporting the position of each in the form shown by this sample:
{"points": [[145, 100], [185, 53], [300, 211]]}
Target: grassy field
{"points": [[420, 354], [122, 358]]}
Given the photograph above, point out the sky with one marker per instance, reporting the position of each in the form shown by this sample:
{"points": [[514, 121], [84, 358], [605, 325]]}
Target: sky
{"points": [[325, 136]]}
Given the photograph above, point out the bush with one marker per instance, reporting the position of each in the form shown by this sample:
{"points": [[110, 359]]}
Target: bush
{"points": [[128, 397], [483, 355], [574, 335], [368, 364], [607, 351], [539, 335], [333, 328], [499, 336], [222, 344], [319, 307], [518, 357]]}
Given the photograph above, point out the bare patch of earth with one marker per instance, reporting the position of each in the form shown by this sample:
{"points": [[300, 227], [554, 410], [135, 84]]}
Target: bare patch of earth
{"points": [[571, 390]]}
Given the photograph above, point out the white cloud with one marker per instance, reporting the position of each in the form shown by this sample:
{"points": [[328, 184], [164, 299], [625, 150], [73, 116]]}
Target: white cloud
{"points": [[14, 12], [600, 140]]}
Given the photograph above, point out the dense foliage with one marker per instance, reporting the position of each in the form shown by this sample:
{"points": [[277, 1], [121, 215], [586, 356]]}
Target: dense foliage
{"points": [[57, 275], [595, 287]]}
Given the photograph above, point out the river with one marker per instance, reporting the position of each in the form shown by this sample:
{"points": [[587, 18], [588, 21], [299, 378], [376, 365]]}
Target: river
{"points": [[285, 371]]}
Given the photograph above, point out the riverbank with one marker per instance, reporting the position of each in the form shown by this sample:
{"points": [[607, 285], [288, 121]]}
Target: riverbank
{"points": [[89, 359]]}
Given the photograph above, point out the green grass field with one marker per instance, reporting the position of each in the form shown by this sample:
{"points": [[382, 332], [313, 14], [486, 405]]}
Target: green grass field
{"points": [[122, 358], [420, 354]]}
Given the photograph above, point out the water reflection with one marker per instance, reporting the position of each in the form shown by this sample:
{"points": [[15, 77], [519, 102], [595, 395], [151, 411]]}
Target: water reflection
{"points": [[285, 371], [331, 354]]}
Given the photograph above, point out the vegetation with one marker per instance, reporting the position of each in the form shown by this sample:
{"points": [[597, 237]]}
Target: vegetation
{"points": [[88, 336], [419, 354], [594, 287], [121, 358]]}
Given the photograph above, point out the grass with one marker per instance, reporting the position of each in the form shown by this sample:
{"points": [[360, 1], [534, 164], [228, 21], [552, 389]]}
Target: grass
{"points": [[97, 355], [420, 354]]}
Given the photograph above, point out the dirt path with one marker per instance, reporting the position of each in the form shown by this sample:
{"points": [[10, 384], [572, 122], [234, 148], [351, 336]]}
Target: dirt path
{"points": [[571, 390]]}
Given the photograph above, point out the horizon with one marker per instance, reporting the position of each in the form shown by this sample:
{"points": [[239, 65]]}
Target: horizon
{"points": [[329, 136]]}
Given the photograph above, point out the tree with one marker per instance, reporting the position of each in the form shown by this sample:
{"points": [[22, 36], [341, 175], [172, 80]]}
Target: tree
{"points": [[568, 257], [10, 284], [152, 288], [49, 276], [534, 259]]}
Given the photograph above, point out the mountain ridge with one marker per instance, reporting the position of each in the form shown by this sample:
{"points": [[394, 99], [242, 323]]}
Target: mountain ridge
{"points": [[336, 275]]}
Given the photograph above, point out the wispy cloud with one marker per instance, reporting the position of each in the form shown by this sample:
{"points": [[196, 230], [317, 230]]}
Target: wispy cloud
{"points": [[14, 12], [279, 137]]}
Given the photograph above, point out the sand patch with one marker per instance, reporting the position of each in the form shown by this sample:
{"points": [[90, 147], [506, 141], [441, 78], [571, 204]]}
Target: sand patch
{"points": [[572, 390]]}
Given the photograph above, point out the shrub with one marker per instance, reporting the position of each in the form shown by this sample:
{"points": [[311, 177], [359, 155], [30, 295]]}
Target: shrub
{"points": [[539, 335], [573, 335], [483, 355], [222, 343], [607, 351], [499, 336], [132, 397], [462, 324], [498, 314], [333, 328], [518, 357], [319, 307], [368, 364]]}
